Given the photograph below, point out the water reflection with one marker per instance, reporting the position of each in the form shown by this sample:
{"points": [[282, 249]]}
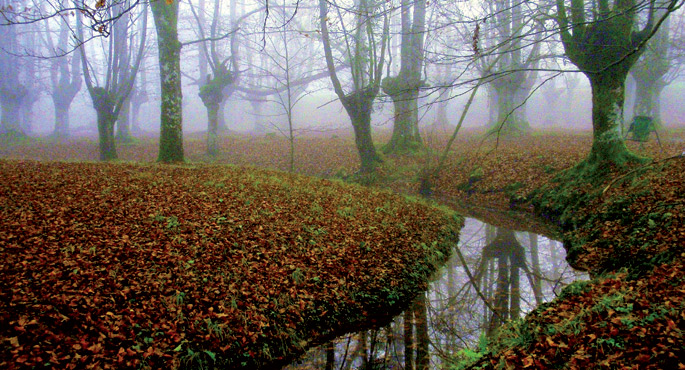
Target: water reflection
{"points": [[508, 273]]}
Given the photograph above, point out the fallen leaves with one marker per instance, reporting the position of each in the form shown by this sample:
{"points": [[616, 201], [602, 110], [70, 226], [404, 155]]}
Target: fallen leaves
{"points": [[119, 265]]}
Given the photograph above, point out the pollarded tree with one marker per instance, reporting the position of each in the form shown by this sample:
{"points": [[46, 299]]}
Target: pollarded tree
{"points": [[361, 46], [404, 88], [223, 74], [122, 61], [65, 75], [604, 39]]}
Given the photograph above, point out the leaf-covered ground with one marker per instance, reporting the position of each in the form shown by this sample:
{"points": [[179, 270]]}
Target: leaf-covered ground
{"points": [[630, 237], [147, 266]]}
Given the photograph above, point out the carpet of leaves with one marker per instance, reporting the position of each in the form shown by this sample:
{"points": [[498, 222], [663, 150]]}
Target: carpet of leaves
{"points": [[149, 266]]}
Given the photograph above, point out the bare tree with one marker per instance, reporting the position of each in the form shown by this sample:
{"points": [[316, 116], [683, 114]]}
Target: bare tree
{"points": [[122, 61], [366, 66], [404, 88], [65, 75], [658, 66]]}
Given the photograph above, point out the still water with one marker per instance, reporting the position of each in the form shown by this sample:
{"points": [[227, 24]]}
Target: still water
{"points": [[508, 274]]}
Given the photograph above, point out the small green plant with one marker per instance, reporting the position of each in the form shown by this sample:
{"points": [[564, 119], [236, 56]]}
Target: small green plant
{"points": [[298, 276]]}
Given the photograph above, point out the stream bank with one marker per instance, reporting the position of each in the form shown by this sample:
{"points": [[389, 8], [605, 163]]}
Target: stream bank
{"points": [[628, 232]]}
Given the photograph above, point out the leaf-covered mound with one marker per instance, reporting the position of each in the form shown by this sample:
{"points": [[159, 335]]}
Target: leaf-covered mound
{"points": [[120, 266], [629, 232]]}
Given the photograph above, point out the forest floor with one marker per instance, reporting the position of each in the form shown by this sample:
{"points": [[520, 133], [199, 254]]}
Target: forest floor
{"points": [[628, 231]]}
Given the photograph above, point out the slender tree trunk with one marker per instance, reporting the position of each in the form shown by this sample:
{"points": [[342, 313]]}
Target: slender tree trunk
{"points": [[535, 261], [409, 339], [330, 356], [171, 130], [135, 118], [422, 338]]}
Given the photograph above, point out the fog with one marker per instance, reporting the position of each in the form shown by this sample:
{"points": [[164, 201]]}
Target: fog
{"points": [[561, 102]]}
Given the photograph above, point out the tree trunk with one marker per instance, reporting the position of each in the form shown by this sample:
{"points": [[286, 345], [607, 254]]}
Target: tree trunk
{"points": [[330, 356], [106, 121], [61, 120], [212, 129], [124, 123], [422, 338], [647, 96], [362, 139], [358, 107], [607, 119], [171, 129], [10, 99], [405, 133], [409, 339]]}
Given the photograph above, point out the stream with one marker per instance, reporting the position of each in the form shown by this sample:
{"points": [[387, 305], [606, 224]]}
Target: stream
{"points": [[513, 270]]}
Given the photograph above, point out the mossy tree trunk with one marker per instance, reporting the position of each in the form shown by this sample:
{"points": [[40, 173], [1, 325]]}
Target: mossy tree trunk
{"points": [[404, 88], [608, 94], [358, 107], [514, 68], [405, 132], [169, 48], [603, 40], [511, 95]]}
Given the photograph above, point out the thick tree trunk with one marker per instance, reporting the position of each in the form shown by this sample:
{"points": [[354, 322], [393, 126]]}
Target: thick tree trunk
{"points": [[608, 93], [106, 121], [358, 107], [171, 130], [647, 98], [405, 133], [212, 129], [365, 147], [61, 120]]}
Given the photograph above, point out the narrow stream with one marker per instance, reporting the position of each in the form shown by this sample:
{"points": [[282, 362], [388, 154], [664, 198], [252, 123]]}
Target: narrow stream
{"points": [[513, 270]]}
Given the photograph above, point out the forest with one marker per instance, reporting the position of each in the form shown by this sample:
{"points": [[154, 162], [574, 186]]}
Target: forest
{"points": [[334, 184]]}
